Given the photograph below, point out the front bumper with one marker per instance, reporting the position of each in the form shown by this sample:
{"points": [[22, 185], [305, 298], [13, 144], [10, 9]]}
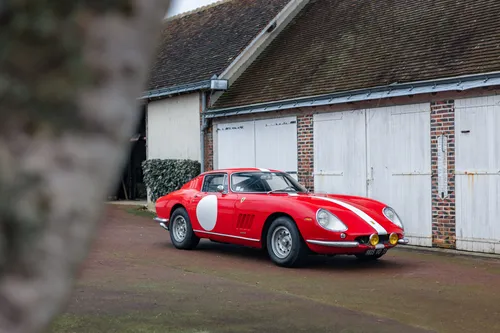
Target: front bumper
{"points": [[349, 247], [350, 244], [162, 222]]}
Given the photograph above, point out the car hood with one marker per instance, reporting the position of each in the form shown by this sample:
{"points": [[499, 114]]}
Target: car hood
{"points": [[361, 213]]}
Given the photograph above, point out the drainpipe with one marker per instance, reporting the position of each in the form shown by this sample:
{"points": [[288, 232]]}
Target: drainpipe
{"points": [[204, 126]]}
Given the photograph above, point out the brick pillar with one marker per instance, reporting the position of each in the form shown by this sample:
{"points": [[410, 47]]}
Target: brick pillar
{"points": [[208, 143], [443, 208], [305, 148], [209, 148]]}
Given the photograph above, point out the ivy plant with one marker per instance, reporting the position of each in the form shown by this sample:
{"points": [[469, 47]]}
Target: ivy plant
{"points": [[164, 176]]}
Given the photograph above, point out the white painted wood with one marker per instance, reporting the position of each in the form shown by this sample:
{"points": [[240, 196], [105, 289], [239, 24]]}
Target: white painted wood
{"points": [[276, 144], [174, 128], [266, 143], [399, 165], [236, 145], [382, 153], [340, 153], [477, 137]]}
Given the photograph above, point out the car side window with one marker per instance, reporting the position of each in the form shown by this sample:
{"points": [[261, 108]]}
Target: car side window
{"points": [[248, 183], [211, 182]]}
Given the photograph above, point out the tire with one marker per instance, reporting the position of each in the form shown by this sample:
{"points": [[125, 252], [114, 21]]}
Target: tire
{"points": [[364, 257], [287, 255], [181, 231]]}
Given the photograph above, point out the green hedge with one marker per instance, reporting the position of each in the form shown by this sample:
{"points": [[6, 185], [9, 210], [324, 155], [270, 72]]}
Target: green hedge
{"points": [[164, 176]]}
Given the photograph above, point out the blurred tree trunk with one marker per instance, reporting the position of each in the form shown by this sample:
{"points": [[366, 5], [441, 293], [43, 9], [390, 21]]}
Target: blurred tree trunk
{"points": [[70, 76]]}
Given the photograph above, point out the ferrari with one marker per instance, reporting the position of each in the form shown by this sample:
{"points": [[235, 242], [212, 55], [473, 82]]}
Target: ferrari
{"points": [[270, 210]]}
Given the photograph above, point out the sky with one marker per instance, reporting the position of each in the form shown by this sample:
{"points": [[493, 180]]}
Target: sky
{"points": [[181, 6]]}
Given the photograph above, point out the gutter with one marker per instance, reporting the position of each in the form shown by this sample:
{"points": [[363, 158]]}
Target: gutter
{"points": [[184, 88], [459, 83]]}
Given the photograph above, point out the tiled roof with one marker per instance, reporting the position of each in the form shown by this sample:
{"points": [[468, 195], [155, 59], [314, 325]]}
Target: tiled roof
{"points": [[342, 45], [197, 45]]}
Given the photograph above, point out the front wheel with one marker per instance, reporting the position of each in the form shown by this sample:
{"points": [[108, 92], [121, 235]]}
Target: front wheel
{"points": [[284, 244], [181, 232]]}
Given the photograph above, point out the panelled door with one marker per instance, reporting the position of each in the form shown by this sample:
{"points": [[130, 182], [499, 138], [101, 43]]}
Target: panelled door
{"points": [[236, 145], [399, 161], [276, 144], [268, 143], [340, 152], [382, 153], [477, 171]]}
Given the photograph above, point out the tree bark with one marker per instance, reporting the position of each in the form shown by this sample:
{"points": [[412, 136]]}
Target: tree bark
{"points": [[71, 73]]}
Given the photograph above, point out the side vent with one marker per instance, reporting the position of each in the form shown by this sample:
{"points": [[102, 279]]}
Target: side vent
{"points": [[245, 221]]}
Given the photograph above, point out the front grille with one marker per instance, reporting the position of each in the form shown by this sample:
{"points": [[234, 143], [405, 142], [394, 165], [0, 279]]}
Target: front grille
{"points": [[384, 239]]}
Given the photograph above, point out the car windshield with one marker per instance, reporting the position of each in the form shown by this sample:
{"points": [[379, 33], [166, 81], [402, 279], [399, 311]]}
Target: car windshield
{"points": [[263, 182]]}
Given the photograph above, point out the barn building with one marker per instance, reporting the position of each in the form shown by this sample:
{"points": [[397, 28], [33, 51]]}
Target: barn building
{"points": [[200, 53], [394, 100]]}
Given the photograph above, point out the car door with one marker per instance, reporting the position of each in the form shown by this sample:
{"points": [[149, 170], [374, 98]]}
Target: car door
{"points": [[250, 208], [213, 207]]}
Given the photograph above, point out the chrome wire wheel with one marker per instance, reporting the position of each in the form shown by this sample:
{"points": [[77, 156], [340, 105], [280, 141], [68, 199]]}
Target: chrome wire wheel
{"points": [[281, 242], [179, 229]]}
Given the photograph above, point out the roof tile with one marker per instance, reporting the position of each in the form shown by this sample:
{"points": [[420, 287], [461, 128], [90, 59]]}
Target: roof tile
{"points": [[202, 43], [342, 45]]}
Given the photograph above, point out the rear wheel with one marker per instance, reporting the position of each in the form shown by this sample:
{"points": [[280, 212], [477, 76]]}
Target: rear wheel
{"points": [[284, 244], [181, 232]]}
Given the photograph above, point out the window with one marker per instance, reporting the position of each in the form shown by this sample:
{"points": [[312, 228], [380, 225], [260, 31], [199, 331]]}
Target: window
{"points": [[212, 181], [263, 182]]}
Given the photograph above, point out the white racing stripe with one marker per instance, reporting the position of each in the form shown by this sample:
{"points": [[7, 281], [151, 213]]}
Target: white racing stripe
{"points": [[380, 230], [264, 170]]}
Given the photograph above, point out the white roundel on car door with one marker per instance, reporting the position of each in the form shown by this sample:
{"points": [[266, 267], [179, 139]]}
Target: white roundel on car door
{"points": [[206, 212]]}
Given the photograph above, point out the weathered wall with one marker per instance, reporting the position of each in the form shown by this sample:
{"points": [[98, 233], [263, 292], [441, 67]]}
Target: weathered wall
{"points": [[174, 128]]}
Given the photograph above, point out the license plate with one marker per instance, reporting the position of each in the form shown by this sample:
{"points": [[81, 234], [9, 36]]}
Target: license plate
{"points": [[376, 252]]}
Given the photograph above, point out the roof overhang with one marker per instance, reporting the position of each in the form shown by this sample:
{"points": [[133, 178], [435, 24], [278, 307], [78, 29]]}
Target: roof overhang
{"points": [[459, 83], [180, 89]]}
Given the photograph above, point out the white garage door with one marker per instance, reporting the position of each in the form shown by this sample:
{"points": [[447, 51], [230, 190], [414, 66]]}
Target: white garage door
{"points": [[269, 143], [236, 145], [477, 167], [381, 153], [340, 152], [399, 155]]}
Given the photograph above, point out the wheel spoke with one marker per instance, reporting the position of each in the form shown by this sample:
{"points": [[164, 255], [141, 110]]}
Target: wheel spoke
{"points": [[281, 242], [179, 229]]}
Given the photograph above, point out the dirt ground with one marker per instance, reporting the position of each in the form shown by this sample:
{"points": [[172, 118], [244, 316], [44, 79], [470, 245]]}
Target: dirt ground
{"points": [[134, 280]]}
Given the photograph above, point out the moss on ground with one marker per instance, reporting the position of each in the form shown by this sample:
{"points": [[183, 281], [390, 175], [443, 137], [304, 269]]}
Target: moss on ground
{"points": [[132, 323], [140, 211]]}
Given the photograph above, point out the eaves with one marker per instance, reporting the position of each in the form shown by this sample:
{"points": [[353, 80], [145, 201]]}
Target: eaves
{"points": [[179, 89], [460, 83]]}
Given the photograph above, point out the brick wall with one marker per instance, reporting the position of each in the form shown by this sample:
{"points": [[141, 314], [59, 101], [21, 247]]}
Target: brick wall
{"points": [[443, 209], [208, 144], [305, 147], [209, 148]]}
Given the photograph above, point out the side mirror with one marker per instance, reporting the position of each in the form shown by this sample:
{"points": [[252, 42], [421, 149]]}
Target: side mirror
{"points": [[220, 188]]}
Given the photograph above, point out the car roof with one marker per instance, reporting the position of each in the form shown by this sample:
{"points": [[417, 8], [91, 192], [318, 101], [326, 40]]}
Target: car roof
{"points": [[233, 170]]}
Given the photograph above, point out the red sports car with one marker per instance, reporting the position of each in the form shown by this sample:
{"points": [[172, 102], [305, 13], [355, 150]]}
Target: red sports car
{"points": [[269, 209]]}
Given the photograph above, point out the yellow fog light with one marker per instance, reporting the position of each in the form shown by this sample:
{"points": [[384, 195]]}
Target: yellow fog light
{"points": [[374, 239], [393, 239]]}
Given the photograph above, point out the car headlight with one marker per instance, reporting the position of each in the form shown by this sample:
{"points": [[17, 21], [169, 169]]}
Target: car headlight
{"points": [[393, 217], [329, 221]]}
